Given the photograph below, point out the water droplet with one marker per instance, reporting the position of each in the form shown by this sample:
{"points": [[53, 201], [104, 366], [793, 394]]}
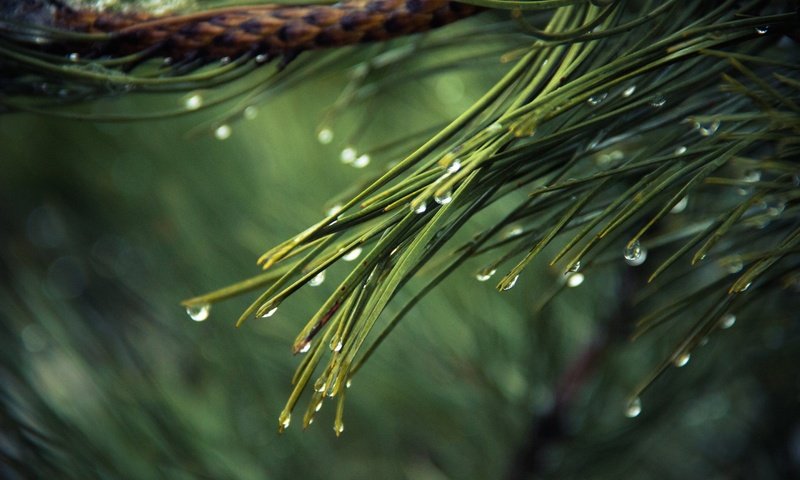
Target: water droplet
{"points": [[361, 161], [262, 58], [338, 346], [495, 127], [270, 312], [443, 198], [224, 60], [333, 210], [349, 383], [596, 100], [193, 101], [421, 208], [776, 209], [727, 321], [317, 279], [707, 129], [485, 274], [635, 254], [574, 267], [305, 348], [223, 132], [325, 136], [513, 231], [338, 427], [680, 150], [574, 279], [761, 30], [352, 254], [681, 205], [658, 101], [250, 112], [198, 313], [745, 287], [735, 265], [608, 159], [629, 91], [682, 359], [634, 408], [348, 155], [284, 420], [752, 176], [511, 283], [454, 166], [318, 406], [320, 385], [73, 57]]}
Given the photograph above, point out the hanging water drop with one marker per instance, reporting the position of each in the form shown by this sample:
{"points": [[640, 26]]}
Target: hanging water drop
{"points": [[763, 29], [361, 161], [752, 176], [421, 208], [320, 385], [454, 166], [658, 101], [511, 283], [634, 408], [250, 112], [318, 406], [348, 155], [682, 359], [262, 58], [513, 231], [305, 348], [495, 127], [681, 205], [349, 383], [635, 254], [198, 313], [707, 129], [325, 136], [193, 101], [333, 210], [338, 346], [443, 198], [680, 150], [574, 279], [338, 427], [596, 100], [223, 132], [485, 274], [317, 279], [224, 60], [284, 420], [352, 254], [727, 321], [629, 91], [73, 57], [269, 312], [735, 265]]}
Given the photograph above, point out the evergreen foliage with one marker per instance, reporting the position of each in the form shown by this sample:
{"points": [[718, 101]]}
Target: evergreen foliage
{"points": [[650, 145]]}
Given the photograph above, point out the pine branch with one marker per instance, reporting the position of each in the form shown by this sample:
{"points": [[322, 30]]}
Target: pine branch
{"points": [[611, 119]]}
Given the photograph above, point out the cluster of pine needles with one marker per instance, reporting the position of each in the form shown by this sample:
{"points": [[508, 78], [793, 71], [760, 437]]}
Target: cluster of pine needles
{"points": [[620, 131]]}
